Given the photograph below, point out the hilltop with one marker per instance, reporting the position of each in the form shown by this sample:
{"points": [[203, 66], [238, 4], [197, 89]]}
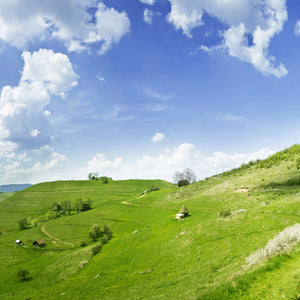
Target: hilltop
{"points": [[151, 255]]}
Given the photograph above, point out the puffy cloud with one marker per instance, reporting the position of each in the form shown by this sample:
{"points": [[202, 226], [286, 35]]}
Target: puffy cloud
{"points": [[167, 163], [99, 163], [23, 118], [251, 26], [148, 16], [21, 22], [33, 166], [158, 137]]}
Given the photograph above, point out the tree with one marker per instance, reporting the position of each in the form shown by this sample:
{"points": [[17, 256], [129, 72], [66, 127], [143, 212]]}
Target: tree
{"points": [[93, 176], [187, 175], [23, 224], [177, 177], [23, 274], [96, 232]]}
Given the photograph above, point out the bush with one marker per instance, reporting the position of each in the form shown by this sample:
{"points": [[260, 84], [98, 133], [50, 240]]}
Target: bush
{"points": [[224, 213], [83, 244], [23, 274], [183, 182], [96, 249], [23, 224]]}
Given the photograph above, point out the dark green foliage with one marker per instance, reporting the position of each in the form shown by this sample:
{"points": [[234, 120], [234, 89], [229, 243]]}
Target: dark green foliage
{"points": [[96, 249], [224, 213], [96, 232], [183, 182], [23, 274], [23, 224], [104, 179], [107, 232], [83, 244]]}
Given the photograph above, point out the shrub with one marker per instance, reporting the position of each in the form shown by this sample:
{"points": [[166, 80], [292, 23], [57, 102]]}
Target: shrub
{"points": [[282, 243], [183, 182], [224, 213], [83, 244], [23, 224], [96, 249], [23, 274]]}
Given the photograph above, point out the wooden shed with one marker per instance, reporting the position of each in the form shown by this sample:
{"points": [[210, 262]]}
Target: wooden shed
{"points": [[39, 243]]}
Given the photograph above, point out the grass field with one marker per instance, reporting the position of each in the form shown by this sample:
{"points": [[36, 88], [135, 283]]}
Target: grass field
{"points": [[152, 255]]}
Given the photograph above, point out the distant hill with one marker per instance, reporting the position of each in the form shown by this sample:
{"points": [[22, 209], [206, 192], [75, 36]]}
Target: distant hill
{"points": [[8, 188]]}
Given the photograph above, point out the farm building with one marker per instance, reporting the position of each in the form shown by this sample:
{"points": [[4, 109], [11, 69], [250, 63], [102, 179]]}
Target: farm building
{"points": [[179, 216], [39, 243], [18, 242], [183, 213]]}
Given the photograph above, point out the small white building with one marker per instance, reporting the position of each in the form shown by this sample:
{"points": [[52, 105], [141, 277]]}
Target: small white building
{"points": [[18, 242], [179, 216]]}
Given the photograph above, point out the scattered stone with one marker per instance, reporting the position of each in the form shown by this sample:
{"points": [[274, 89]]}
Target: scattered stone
{"points": [[147, 271]]}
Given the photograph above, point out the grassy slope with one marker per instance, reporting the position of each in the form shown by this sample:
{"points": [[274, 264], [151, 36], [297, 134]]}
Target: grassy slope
{"points": [[153, 256]]}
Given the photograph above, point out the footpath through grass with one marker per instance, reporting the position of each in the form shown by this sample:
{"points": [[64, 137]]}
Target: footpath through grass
{"points": [[152, 255]]}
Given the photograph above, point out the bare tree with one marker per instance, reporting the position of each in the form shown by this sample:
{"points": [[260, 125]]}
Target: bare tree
{"points": [[187, 175]]}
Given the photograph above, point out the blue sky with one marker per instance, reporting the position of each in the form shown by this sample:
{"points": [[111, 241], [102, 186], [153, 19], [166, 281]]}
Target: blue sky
{"points": [[144, 88]]}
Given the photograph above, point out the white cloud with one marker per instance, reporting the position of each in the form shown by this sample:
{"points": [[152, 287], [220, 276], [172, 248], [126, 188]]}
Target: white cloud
{"points": [[149, 2], [251, 26], [156, 107], [99, 163], [22, 22], [100, 77], [33, 166], [231, 118], [158, 137], [34, 133], [117, 114], [24, 121], [167, 163], [297, 28], [148, 16], [156, 95]]}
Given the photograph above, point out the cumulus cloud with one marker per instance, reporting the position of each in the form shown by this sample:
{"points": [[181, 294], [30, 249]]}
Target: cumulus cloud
{"points": [[24, 118], [70, 21], [148, 16], [158, 137], [32, 166], [100, 163], [167, 163], [251, 25]]}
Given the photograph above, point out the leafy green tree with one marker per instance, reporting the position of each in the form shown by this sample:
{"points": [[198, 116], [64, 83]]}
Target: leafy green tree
{"points": [[23, 274], [23, 224], [96, 232], [96, 249]]}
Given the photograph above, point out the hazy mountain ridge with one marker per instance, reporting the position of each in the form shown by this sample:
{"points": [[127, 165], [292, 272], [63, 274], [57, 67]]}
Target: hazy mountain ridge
{"points": [[8, 188]]}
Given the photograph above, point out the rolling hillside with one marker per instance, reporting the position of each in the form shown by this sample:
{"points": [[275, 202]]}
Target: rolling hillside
{"points": [[151, 254]]}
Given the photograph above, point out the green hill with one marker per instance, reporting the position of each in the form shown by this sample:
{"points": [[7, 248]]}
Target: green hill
{"points": [[151, 254]]}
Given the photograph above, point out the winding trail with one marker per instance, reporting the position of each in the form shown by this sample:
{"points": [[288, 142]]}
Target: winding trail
{"points": [[55, 238]]}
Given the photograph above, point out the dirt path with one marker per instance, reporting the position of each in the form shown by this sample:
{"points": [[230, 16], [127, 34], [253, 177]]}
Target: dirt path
{"points": [[55, 238]]}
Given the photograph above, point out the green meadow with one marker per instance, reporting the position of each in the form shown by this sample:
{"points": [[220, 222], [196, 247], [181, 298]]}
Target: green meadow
{"points": [[151, 254]]}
